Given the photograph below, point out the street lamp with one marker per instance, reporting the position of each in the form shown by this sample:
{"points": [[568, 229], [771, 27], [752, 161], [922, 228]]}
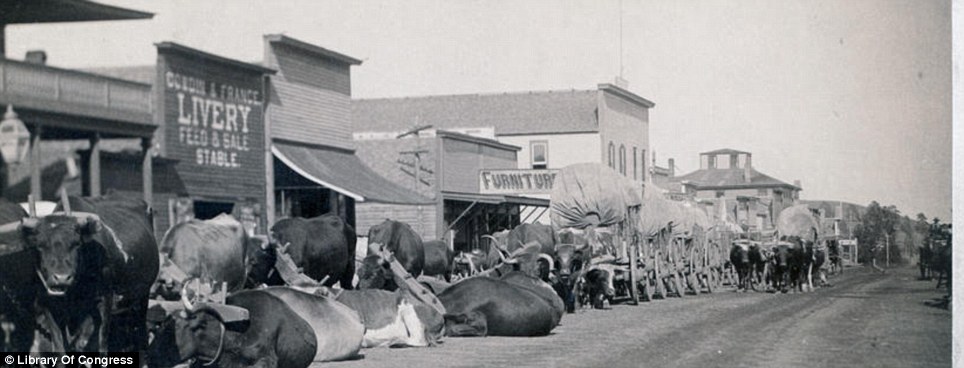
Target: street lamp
{"points": [[14, 143], [14, 138]]}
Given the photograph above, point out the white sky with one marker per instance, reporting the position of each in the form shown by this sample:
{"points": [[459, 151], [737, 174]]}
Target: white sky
{"points": [[852, 97]]}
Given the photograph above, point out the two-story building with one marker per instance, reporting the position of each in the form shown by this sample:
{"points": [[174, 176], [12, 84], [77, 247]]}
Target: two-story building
{"points": [[728, 184], [553, 129], [312, 158]]}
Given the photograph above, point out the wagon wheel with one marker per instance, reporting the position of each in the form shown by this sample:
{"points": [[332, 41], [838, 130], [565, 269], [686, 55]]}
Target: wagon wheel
{"points": [[678, 284], [633, 279], [694, 282], [709, 281]]}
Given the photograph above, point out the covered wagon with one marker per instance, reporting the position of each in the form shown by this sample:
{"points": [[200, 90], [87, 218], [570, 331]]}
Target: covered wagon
{"points": [[595, 203]]}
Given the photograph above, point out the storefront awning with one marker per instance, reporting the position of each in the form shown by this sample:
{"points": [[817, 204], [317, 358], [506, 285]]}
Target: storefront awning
{"points": [[494, 199], [344, 173]]}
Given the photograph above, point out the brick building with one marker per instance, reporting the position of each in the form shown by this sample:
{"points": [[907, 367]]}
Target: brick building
{"points": [[728, 184]]}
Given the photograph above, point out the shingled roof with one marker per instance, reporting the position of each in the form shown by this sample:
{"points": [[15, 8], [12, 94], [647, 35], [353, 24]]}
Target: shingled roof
{"points": [[509, 113], [728, 178]]}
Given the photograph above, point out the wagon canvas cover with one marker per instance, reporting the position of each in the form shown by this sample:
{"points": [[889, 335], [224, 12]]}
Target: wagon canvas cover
{"points": [[589, 194], [797, 221], [658, 213]]}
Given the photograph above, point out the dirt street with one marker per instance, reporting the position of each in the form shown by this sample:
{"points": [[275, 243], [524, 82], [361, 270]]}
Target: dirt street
{"points": [[865, 319]]}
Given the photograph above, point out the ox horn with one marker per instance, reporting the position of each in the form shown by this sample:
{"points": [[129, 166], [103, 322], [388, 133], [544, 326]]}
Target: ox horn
{"points": [[29, 223], [552, 264], [64, 202]]}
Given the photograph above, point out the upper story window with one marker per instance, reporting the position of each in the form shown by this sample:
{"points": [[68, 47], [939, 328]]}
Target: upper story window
{"points": [[622, 159], [540, 154], [612, 155], [720, 194], [635, 166]]}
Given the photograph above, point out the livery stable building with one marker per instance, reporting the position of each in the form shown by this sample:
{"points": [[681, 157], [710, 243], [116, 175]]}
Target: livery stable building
{"points": [[259, 141], [474, 183]]}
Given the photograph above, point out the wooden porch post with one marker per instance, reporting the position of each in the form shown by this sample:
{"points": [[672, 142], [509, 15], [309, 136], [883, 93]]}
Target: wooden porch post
{"points": [[35, 163], [147, 170], [93, 166]]}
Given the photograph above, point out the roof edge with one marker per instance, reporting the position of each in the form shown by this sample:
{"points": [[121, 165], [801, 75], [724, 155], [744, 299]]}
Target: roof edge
{"points": [[473, 139], [622, 92], [168, 46], [311, 48]]}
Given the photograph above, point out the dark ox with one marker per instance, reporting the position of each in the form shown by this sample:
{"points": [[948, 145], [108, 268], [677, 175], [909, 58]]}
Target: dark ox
{"points": [[525, 234], [484, 306], [787, 264], [215, 249], [95, 273], [273, 336], [404, 243], [570, 261], [740, 259], [322, 246], [18, 282], [758, 264], [599, 286], [439, 260]]}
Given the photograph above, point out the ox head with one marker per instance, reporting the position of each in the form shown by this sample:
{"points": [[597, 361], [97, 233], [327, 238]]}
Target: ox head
{"points": [[570, 259], [290, 236], [740, 252], [183, 330], [65, 248], [186, 334], [781, 254], [599, 281], [373, 273]]}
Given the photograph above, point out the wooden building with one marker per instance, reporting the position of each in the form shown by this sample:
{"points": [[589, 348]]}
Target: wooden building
{"points": [[312, 161], [447, 167], [61, 106]]}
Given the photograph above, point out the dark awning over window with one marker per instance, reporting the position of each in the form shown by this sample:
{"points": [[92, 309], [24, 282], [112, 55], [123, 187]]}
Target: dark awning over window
{"points": [[495, 199], [344, 173]]}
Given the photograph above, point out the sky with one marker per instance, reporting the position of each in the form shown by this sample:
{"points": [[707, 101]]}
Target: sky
{"points": [[851, 97]]}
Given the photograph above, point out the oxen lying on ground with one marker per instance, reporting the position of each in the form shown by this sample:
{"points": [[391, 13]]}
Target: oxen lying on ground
{"points": [[338, 329], [484, 306], [273, 336], [323, 247], [394, 318], [215, 249]]}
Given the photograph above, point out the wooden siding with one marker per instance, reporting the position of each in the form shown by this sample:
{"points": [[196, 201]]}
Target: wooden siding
{"points": [[305, 114], [461, 162], [310, 100], [244, 179], [383, 157], [421, 218]]}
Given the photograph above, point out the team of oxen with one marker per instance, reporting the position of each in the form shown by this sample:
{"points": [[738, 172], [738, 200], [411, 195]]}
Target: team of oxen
{"points": [[91, 277]]}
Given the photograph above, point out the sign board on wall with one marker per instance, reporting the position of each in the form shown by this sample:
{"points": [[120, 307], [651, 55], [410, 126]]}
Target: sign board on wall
{"points": [[214, 119], [516, 181]]}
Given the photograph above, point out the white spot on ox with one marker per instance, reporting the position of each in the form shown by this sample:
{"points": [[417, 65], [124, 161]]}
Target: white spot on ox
{"points": [[405, 330]]}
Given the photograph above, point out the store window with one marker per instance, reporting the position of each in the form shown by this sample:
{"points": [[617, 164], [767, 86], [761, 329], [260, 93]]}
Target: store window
{"points": [[206, 210], [642, 164], [540, 154], [612, 155]]}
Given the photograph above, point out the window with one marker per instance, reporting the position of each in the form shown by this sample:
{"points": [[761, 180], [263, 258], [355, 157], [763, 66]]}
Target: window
{"points": [[720, 194], [635, 166], [622, 159], [762, 192], [642, 165], [612, 155], [540, 154]]}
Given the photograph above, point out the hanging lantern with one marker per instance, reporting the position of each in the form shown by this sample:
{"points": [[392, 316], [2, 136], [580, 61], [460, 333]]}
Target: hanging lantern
{"points": [[14, 138]]}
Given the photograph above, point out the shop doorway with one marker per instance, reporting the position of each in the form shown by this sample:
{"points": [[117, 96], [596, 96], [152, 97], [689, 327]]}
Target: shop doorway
{"points": [[206, 210]]}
